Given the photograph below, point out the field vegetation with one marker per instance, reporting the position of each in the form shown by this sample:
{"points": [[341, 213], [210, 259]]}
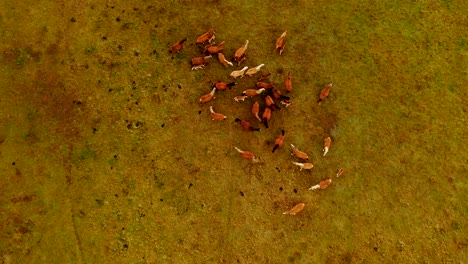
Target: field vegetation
{"points": [[107, 156]]}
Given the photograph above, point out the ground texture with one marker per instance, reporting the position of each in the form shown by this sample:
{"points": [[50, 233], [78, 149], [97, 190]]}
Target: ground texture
{"points": [[106, 155]]}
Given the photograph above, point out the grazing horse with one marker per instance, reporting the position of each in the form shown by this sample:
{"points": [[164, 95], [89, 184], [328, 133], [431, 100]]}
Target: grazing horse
{"points": [[246, 125], [221, 86], [256, 110], [177, 46], [296, 209], [217, 116], [281, 43], [239, 55], [279, 141], [339, 172], [305, 166], [253, 92], [240, 98], [271, 103], [324, 93], [326, 145], [246, 154], [214, 49], [321, 185], [286, 103], [199, 63], [265, 76], [207, 97], [208, 36], [266, 116], [254, 70], [265, 85], [300, 154], [239, 73], [223, 60], [277, 94]]}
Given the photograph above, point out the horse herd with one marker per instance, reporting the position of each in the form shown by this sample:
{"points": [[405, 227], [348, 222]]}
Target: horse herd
{"points": [[263, 88]]}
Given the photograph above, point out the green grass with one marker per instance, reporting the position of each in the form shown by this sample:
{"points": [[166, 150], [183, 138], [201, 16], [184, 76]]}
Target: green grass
{"points": [[107, 157]]}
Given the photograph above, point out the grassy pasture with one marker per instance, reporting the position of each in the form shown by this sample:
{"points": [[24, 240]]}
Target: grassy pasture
{"points": [[107, 157]]}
